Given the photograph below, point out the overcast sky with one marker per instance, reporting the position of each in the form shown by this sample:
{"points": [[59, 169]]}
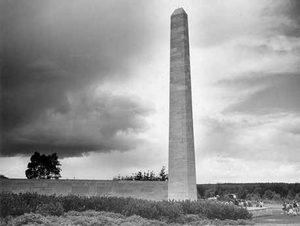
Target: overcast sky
{"points": [[89, 80]]}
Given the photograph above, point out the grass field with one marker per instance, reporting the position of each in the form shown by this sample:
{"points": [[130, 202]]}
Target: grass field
{"points": [[278, 218]]}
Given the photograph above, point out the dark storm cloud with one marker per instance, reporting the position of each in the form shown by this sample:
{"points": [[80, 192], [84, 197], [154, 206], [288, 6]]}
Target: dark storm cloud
{"points": [[56, 49], [93, 123]]}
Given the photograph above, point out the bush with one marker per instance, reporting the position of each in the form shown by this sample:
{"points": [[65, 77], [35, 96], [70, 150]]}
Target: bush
{"points": [[88, 218], [297, 197], [18, 204], [93, 218], [55, 209], [167, 211], [28, 219]]}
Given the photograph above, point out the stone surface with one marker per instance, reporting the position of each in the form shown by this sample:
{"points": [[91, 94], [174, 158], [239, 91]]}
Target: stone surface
{"points": [[182, 173], [151, 190], [260, 211]]}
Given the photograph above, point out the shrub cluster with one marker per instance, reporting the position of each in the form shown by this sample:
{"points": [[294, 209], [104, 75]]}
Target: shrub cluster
{"points": [[93, 218], [170, 211], [88, 218]]}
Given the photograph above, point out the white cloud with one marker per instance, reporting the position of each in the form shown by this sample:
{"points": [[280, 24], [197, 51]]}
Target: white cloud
{"points": [[224, 170], [14, 167], [247, 136]]}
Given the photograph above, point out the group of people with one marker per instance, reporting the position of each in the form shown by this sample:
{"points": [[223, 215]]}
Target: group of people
{"points": [[290, 208], [259, 203]]}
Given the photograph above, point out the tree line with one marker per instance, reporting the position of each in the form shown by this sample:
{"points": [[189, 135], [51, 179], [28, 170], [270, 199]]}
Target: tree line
{"points": [[146, 176], [252, 191]]}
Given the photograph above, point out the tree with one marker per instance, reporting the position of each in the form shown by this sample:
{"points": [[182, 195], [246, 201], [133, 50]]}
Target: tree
{"points": [[253, 196], [258, 191], [163, 175], [210, 193], [43, 167], [297, 197], [242, 192], [146, 176], [276, 197], [291, 194], [3, 177], [268, 194], [138, 176]]}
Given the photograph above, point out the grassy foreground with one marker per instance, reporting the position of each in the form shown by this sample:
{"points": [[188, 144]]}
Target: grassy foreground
{"points": [[35, 209], [93, 218]]}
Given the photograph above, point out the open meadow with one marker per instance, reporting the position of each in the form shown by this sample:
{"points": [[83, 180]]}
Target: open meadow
{"points": [[277, 218]]}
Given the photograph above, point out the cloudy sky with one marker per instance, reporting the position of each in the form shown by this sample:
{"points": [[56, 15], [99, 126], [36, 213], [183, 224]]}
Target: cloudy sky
{"points": [[89, 80]]}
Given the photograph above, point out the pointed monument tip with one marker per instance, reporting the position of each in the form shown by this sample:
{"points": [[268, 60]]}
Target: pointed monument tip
{"points": [[178, 11]]}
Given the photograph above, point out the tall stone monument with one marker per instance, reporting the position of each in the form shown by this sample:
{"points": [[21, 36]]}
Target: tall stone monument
{"points": [[182, 172]]}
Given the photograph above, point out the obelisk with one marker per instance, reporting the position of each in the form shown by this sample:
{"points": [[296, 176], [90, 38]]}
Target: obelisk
{"points": [[182, 172]]}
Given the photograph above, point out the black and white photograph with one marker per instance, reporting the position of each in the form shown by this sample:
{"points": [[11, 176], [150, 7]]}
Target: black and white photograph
{"points": [[157, 112]]}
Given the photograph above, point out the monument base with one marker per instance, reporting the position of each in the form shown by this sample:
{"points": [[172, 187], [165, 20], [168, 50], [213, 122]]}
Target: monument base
{"points": [[260, 211]]}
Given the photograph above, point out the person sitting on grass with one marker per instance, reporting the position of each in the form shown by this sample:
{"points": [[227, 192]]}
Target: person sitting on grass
{"points": [[257, 203], [296, 207], [284, 207], [291, 210]]}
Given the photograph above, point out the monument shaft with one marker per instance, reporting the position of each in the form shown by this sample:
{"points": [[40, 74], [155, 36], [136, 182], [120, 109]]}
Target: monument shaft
{"points": [[182, 173]]}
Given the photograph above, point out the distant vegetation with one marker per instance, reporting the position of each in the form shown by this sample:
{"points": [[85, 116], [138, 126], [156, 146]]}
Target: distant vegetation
{"points": [[252, 191], [249, 191], [43, 167], [146, 176]]}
